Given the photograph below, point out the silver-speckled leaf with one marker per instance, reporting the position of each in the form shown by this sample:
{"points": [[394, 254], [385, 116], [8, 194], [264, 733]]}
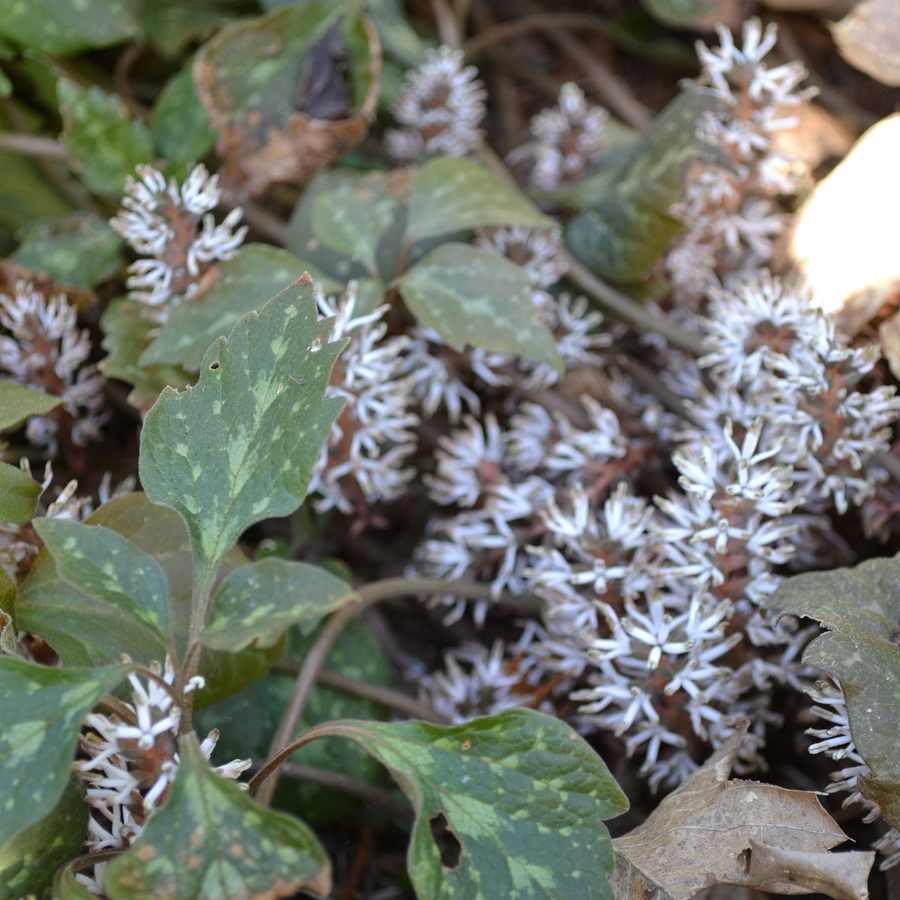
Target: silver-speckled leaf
{"points": [[260, 601], [453, 194], [243, 284], [106, 565], [211, 841], [240, 445], [472, 296], [64, 27], [29, 861]]}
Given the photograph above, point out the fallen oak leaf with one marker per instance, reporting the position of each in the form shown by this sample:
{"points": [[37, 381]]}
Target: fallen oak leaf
{"points": [[713, 830]]}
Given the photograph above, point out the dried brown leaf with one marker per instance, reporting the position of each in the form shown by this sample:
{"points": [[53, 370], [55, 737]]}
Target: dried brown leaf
{"points": [[248, 76], [713, 830], [868, 37]]}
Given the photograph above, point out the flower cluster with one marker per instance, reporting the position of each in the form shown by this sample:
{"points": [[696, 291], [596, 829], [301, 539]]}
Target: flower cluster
{"points": [[653, 621], [362, 461], [475, 682], [46, 350], [441, 105], [131, 760], [565, 140], [729, 212], [175, 230]]}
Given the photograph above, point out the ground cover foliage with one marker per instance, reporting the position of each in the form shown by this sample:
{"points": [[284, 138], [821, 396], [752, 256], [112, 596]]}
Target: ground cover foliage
{"points": [[424, 460]]}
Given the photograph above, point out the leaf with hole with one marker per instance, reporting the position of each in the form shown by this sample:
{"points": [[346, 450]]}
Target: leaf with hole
{"points": [[241, 285], [472, 296], [210, 841], [106, 565], [261, 601], [240, 445], [506, 805], [106, 143], [453, 194], [859, 607], [42, 712], [29, 861]]}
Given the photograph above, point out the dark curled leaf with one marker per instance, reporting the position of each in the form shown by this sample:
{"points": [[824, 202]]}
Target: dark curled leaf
{"points": [[859, 606], [211, 841], [627, 223], [510, 805]]}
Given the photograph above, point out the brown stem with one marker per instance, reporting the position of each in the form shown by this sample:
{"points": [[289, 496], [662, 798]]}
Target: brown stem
{"points": [[33, 145], [613, 90], [448, 30], [375, 692], [309, 670], [346, 785], [505, 31], [629, 310]]}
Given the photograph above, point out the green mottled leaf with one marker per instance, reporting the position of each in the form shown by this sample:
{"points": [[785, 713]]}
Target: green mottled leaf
{"points": [[211, 841], [248, 721], [18, 402], [86, 630], [355, 221], [697, 15], [523, 795], [18, 494], [9, 628], [178, 121], [245, 283], [261, 601], [25, 195], [80, 249], [471, 296], [627, 224], [860, 607], [453, 194], [388, 189], [67, 26], [29, 861], [170, 26], [105, 565], [127, 334], [239, 447], [105, 141], [42, 713]]}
